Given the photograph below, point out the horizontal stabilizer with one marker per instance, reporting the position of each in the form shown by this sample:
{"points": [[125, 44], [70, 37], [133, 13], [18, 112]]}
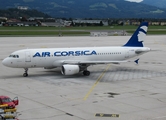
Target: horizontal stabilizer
{"points": [[136, 61]]}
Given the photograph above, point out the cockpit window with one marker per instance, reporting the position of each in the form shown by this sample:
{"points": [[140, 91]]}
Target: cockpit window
{"points": [[14, 56]]}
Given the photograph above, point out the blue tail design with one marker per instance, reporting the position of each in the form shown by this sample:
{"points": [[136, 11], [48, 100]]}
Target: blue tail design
{"points": [[138, 37]]}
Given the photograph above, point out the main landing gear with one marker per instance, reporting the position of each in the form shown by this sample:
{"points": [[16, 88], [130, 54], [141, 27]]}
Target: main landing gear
{"points": [[26, 72], [86, 72], [83, 67]]}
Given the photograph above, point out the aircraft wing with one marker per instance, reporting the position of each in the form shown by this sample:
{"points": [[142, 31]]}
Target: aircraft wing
{"points": [[92, 62]]}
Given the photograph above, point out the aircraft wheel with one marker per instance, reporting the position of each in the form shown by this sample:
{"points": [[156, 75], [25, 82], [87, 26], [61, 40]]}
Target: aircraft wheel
{"points": [[86, 73], [25, 74]]}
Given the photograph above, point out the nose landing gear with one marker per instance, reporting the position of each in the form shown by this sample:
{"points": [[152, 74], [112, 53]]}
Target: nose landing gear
{"points": [[26, 72]]}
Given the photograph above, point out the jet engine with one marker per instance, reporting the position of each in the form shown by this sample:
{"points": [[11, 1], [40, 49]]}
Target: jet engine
{"points": [[70, 69]]}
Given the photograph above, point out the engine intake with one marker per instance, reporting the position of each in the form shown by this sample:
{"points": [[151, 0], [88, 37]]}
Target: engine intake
{"points": [[70, 69]]}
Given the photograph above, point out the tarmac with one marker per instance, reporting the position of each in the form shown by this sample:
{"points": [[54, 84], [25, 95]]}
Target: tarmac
{"points": [[122, 92]]}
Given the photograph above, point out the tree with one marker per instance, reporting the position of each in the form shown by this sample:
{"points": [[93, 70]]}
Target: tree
{"points": [[23, 18], [101, 23], [72, 24]]}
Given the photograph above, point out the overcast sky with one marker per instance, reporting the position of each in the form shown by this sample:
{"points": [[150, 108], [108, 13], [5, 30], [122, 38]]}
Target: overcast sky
{"points": [[134, 0]]}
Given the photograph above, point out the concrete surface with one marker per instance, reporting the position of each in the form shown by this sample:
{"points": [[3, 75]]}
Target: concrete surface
{"points": [[135, 92]]}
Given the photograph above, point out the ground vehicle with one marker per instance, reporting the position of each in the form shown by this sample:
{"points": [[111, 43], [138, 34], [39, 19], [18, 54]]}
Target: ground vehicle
{"points": [[7, 100]]}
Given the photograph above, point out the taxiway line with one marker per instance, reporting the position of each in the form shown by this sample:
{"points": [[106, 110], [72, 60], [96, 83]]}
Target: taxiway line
{"points": [[97, 81]]}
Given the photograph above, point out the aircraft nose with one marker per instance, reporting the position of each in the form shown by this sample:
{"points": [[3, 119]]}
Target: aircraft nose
{"points": [[5, 62]]}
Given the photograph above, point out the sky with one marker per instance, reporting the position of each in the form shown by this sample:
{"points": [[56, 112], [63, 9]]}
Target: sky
{"points": [[134, 0]]}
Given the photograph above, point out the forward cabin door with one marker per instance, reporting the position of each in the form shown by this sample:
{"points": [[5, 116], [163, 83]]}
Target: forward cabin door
{"points": [[27, 56]]}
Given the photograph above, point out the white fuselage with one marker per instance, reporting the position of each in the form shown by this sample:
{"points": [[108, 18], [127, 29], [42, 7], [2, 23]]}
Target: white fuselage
{"points": [[56, 57], [75, 60]]}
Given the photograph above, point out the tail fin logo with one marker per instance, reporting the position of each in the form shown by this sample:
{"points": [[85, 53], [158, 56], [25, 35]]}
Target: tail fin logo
{"points": [[138, 37], [142, 33]]}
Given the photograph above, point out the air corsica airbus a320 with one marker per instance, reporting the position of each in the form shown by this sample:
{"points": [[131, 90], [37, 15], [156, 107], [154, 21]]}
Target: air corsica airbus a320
{"points": [[75, 60]]}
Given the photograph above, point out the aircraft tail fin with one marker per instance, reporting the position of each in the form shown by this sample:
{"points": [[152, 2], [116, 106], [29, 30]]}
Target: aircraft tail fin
{"points": [[138, 37]]}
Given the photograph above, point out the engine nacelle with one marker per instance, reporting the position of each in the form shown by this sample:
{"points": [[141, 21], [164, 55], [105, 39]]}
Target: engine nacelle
{"points": [[70, 69]]}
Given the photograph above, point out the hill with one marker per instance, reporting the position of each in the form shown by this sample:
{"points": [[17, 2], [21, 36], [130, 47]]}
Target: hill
{"points": [[16, 13], [157, 3], [89, 9]]}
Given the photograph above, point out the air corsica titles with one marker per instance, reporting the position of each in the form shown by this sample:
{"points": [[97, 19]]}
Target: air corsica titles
{"points": [[65, 53]]}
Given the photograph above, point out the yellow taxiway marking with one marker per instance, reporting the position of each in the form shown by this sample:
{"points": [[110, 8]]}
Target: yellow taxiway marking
{"points": [[21, 45], [97, 81]]}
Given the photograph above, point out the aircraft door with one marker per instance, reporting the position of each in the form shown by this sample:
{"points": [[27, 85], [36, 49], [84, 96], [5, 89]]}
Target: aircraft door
{"points": [[27, 56]]}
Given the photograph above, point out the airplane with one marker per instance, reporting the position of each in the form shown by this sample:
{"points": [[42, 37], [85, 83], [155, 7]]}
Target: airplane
{"points": [[75, 60]]}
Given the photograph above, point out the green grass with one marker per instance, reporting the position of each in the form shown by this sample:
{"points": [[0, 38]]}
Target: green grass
{"points": [[157, 32], [72, 31], [40, 33], [152, 32], [71, 28]]}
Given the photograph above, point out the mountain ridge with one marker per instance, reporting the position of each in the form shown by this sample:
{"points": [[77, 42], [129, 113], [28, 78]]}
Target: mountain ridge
{"points": [[89, 9], [156, 3]]}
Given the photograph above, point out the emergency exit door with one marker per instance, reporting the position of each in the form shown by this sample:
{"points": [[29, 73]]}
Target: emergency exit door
{"points": [[27, 56]]}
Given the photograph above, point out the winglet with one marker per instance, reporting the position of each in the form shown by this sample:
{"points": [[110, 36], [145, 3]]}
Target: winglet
{"points": [[138, 37], [136, 61]]}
